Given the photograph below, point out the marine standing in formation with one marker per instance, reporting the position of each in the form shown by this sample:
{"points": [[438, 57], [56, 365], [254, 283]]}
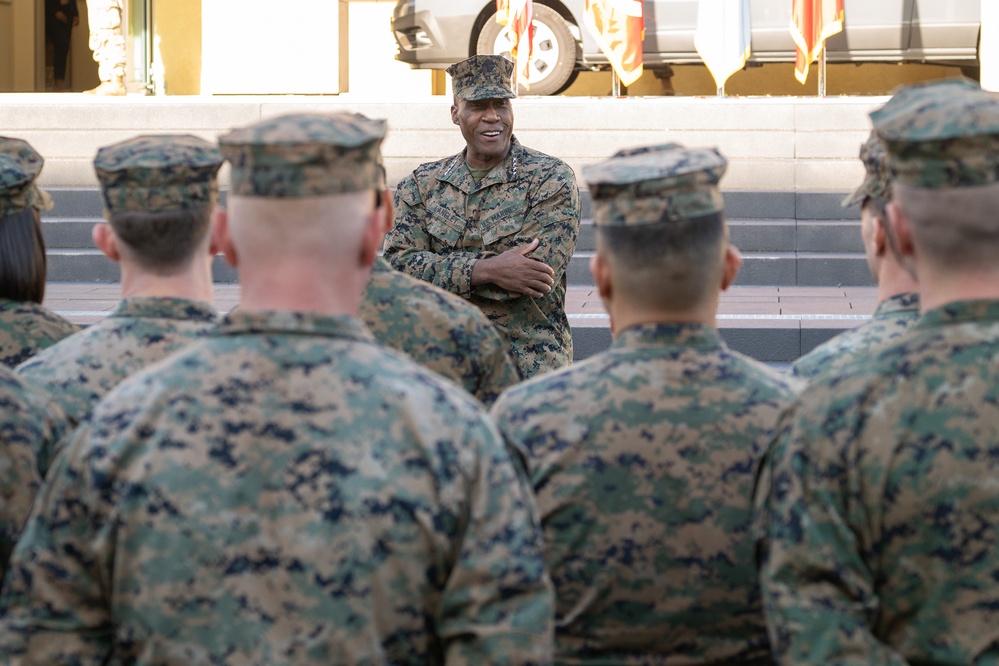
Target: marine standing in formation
{"points": [[288, 490], [26, 326], [159, 192], [496, 224], [898, 296], [642, 456], [878, 500]]}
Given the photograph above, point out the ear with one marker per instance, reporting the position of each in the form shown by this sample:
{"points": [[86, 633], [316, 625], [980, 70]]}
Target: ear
{"points": [[371, 241], [600, 270], [879, 237], [901, 228], [733, 262], [388, 211], [105, 241], [222, 238], [454, 112]]}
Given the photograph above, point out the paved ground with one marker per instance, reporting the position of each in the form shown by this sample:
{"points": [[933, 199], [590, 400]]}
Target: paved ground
{"points": [[779, 307]]}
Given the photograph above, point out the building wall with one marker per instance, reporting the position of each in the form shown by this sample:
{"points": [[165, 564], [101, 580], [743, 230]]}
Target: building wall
{"points": [[177, 45]]}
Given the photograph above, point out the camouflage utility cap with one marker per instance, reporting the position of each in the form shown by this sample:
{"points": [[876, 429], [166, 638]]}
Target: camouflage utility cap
{"points": [[159, 173], [306, 155], [661, 184], [941, 134], [483, 77], [877, 181], [20, 165]]}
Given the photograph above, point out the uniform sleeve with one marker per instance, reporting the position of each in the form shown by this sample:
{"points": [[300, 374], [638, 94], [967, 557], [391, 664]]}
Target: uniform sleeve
{"points": [[554, 212], [497, 606], [54, 606], [818, 588], [497, 371], [409, 247]]}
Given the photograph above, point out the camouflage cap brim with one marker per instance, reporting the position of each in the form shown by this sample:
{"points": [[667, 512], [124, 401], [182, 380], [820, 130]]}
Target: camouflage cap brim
{"points": [[941, 134], [656, 184], [20, 166], [483, 77], [300, 155], [877, 178], [158, 173]]}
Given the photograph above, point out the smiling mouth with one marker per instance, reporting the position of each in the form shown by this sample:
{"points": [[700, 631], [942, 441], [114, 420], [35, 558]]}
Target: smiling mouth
{"points": [[491, 134]]}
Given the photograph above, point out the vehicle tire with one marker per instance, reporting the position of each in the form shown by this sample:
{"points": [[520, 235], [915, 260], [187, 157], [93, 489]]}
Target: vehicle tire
{"points": [[553, 63]]}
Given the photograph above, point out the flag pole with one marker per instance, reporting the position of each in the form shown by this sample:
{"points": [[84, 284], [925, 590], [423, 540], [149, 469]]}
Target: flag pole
{"points": [[721, 90], [822, 72], [615, 84]]}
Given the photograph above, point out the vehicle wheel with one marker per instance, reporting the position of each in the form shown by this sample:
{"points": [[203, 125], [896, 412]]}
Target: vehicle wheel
{"points": [[553, 62]]}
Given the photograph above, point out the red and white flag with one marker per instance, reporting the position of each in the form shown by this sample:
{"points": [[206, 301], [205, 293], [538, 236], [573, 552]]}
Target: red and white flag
{"points": [[518, 17], [812, 22], [619, 28]]}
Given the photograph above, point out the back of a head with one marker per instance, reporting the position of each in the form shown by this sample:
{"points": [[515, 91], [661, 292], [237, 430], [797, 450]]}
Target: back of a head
{"points": [[942, 145], [303, 182], [22, 246], [159, 191], [660, 224]]}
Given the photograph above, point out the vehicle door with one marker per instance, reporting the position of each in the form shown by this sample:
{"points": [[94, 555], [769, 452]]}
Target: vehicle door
{"points": [[669, 27], [945, 29], [870, 27]]}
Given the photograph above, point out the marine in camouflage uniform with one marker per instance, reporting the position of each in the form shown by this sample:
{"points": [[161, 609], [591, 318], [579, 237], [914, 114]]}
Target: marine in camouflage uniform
{"points": [[157, 176], [30, 424], [107, 41], [452, 217], [288, 490], [898, 300], [877, 500], [25, 326], [642, 456], [438, 330]]}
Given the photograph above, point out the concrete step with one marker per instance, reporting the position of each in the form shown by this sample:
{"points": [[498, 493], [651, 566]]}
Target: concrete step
{"points": [[771, 269]]}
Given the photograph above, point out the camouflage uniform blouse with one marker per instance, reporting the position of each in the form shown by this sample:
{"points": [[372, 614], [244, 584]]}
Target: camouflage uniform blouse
{"points": [[642, 459], [438, 330], [444, 222], [30, 423], [141, 331], [890, 320], [879, 500], [287, 491], [27, 328]]}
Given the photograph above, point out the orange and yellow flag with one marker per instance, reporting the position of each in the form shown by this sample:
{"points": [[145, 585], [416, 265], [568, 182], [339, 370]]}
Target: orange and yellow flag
{"points": [[812, 22], [619, 28], [518, 17]]}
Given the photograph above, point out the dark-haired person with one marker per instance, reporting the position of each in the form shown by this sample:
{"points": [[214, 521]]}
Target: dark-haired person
{"points": [[25, 326], [642, 456], [159, 192]]}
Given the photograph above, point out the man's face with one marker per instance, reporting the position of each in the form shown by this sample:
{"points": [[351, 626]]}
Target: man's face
{"points": [[487, 126]]}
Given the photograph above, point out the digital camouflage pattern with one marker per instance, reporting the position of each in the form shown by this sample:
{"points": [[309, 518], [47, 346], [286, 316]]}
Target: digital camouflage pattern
{"points": [[877, 178], [107, 39], [444, 223], [159, 173], [941, 134], [878, 506], [438, 330], [27, 328], [20, 165], [483, 77], [29, 424], [656, 184], [78, 372], [891, 320], [306, 155], [285, 492], [642, 460]]}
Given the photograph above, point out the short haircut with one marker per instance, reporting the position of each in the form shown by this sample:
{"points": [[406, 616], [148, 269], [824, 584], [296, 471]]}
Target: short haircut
{"points": [[877, 205], [672, 265], [956, 227], [162, 242], [22, 257]]}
